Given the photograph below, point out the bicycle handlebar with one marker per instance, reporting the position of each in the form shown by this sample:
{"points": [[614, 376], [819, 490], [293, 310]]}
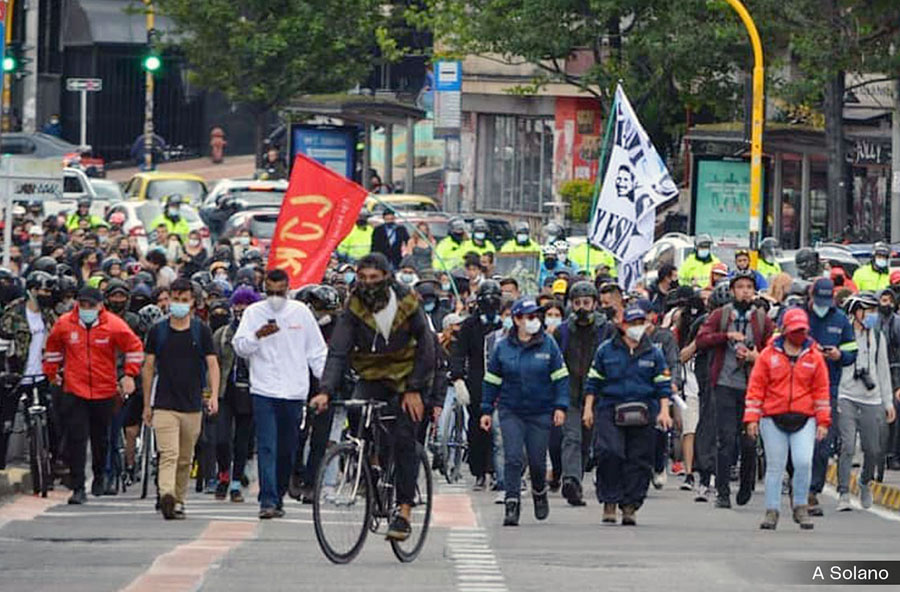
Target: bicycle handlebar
{"points": [[374, 403]]}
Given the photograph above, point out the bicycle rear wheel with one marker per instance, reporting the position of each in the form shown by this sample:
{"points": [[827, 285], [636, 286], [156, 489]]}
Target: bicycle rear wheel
{"points": [[147, 455], [420, 516], [456, 434], [342, 505], [40, 457]]}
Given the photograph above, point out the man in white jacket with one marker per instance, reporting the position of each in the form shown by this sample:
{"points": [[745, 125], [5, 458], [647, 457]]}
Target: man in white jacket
{"points": [[281, 340]]}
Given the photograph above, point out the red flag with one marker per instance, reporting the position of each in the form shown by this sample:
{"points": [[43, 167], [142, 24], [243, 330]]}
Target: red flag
{"points": [[318, 211]]}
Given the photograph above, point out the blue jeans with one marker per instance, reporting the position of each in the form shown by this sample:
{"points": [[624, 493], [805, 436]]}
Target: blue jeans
{"points": [[776, 443], [277, 435], [497, 443], [531, 433]]}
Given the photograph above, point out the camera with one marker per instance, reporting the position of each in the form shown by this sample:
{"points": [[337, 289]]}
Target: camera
{"points": [[863, 375]]}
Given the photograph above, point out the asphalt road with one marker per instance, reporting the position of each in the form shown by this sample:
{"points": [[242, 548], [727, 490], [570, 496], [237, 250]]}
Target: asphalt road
{"points": [[116, 543]]}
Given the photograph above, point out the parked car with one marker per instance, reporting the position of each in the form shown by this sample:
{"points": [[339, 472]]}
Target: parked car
{"points": [[139, 217], [499, 230], [261, 223], [109, 190], [231, 196], [40, 145], [158, 185], [76, 185], [401, 202]]}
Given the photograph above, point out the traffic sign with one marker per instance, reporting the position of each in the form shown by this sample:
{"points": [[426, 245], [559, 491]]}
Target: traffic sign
{"points": [[84, 84]]}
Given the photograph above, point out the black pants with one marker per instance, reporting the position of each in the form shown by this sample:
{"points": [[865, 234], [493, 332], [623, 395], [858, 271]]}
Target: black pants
{"points": [[315, 434], [9, 405], [232, 440], [624, 459], [705, 438], [85, 418], [479, 441], [555, 449], [730, 432], [403, 432]]}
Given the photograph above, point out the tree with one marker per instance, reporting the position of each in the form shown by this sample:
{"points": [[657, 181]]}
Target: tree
{"points": [[262, 53]]}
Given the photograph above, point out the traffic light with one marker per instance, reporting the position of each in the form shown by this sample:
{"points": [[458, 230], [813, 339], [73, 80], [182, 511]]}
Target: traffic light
{"points": [[9, 64], [151, 63], [15, 62]]}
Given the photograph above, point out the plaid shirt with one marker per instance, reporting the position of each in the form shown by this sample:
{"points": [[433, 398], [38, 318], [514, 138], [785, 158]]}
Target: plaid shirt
{"points": [[14, 326]]}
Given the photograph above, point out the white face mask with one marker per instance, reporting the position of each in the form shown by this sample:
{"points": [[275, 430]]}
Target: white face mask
{"points": [[243, 240], [635, 332], [479, 236], [702, 253], [533, 326], [194, 242], [276, 302], [553, 322], [522, 238]]}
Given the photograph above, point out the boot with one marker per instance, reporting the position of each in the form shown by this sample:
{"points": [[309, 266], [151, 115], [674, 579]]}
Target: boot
{"points": [[770, 521], [801, 517], [511, 518], [814, 508], [609, 513], [571, 490], [541, 505], [628, 518]]}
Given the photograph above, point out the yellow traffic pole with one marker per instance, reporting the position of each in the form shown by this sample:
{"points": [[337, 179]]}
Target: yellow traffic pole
{"points": [[756, 133]]}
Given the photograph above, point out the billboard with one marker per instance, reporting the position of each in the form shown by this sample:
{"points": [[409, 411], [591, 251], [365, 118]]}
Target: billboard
{"points": [[721, 199], [332, 145]]}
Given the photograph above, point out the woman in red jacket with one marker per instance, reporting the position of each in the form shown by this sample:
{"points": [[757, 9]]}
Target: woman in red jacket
{"points": [[788, 402]]}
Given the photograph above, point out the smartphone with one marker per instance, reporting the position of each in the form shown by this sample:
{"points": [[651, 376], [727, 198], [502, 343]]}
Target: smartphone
{"points": [[272, 322]]}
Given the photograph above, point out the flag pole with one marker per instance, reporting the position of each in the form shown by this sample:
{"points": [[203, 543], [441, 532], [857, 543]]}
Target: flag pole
{"points": [[604, 149]]}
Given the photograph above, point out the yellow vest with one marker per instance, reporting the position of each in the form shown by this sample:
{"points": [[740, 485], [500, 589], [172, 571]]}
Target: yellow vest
{"points": [[180, 227], [867, 278], [767, 269], [694, 272], [511, 246], [448, 254], [358, 243], [578, 256]]}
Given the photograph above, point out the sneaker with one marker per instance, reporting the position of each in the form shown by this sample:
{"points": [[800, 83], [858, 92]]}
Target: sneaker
{"points": [[770, 521], [222, 490], [571, 490], [236, 496], [541, 505], [628, 518], [97, 487], [266, 513], [678, 468], [659, 480], [704, 494], [279, 512], [511, 514], [295, 485], [813, 508], [723, 501], [167, 506], [78, 498], [399, 530], [609, 513], [688, 483], [743, 496], [110, 487], [801, 517], [179, 511], [844, 503], [479, 484], [212, 486], [865, 496], [500, 498]]}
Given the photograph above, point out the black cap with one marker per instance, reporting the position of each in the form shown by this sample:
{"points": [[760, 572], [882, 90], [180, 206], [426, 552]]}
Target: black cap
{"points": [[89, 294]]}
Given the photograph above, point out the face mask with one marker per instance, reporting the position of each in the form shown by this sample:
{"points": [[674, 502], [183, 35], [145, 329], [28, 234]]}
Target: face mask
{"points": [[508, 323], [703, 254], [533, 326], [550, 262], [488, 319], [35, 245], [276, 302], [457, 236], [117, 307], [886, 309], [88, 317], [349, 277], [553, 322], [583, 315], [44, 300], [194, 242], [179, 310], [870, 321], [217, 320], [821, 311], [324, 320], [610, 313], [522, 238], [429, 305], [881, 262], [796, 338], [635, 332], [173, 212], [373, 296], [407, 278], [445, 286], [221, 276], [479, 236], [243, 240]]}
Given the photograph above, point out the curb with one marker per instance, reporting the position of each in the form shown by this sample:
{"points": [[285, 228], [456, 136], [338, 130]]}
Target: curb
{"points": [[883, 494], [14, 480]]}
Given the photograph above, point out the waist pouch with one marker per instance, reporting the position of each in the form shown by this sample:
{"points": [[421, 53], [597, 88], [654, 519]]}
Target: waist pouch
{"points": [[632, 415], [790, 422]]}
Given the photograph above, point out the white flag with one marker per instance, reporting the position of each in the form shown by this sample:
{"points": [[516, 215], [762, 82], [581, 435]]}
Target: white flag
{"points": [[636, 183]]}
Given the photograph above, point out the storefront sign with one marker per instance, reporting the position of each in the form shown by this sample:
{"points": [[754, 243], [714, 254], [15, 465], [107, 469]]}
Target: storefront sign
{"points": [[721, 204]]}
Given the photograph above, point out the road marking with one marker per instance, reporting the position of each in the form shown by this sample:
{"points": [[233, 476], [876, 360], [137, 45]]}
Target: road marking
{"points": [[453, 510], [831, 492], [473, 560], [182, 569]]}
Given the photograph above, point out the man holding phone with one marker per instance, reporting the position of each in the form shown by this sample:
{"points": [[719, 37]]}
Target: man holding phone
{"points": [[831, 329]]}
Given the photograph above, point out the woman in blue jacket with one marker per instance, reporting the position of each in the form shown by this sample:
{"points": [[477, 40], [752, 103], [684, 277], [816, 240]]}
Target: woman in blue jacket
{"points": [[528, 381]]}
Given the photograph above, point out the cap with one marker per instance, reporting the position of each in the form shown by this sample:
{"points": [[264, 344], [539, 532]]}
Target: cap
{"points": [[451, 319], [895, 277], [634, 313], [794, 319], [89, 294], [720, 269], [36, 230], [560, 286], [524, 306], [823, 292], [644, 304]]}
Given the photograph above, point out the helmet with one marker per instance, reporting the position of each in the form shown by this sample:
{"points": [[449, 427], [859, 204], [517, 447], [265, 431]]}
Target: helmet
{"points": [[522, 226], [174, 199], [40, 280], [457, 225], [109, 262], [767, 248], [143, 277], [742, 274], [203, 278], [721, 295], [562, 246], [549, 251], [84, 200], [702, 240], [116, 285], [807, 261], [251, 257], [323, 297], [863, 300], [148, 316], [220, 288], [582, 289], [304, 294], [553, 231], [64, 269], [363, 215], [66, 285], [489, 288], [741, 251], [7, 275], [45, 263], [245, 276], [881, 248], [480, 225]]}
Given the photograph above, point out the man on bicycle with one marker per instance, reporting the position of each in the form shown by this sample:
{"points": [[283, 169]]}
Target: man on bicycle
{"points": [[384, 336], [87, 341]]}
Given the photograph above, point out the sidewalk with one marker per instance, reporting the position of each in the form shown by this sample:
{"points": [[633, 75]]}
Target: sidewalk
{"points": [[234, 166], [885, 494], [14, 480]]}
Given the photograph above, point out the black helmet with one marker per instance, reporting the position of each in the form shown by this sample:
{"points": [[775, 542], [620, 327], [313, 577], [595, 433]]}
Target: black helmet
{"points": [[721, 295], [323, 298], [108, 263], [582, 289], [304, 294], [143, 277], [489, 288], [7, 276], [742, 274], [251, 257], [67, 285], [116, 285], [863, 300], [246, 276], [202, 278], [64, 270], [807, 261], [40, 280], [46, 264]]}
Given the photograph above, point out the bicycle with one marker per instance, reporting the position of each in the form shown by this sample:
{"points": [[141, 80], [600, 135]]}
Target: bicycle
{"points": [[354, 493], [455, 442], [37, 424], [146, 455]]}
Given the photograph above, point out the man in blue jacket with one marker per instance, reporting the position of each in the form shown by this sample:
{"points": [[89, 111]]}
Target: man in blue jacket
{"points": [[527, 379], [832, 330], [627, 392]]}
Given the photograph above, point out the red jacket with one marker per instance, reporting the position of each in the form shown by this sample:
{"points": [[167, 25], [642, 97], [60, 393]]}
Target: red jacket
{"points": [[776, 386], [89, 355], [711, 337]]}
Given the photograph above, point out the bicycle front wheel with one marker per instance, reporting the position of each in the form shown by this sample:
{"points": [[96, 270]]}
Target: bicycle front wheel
{"points": [[40, 458], [147, 452], [420, 516], [342, 505]]}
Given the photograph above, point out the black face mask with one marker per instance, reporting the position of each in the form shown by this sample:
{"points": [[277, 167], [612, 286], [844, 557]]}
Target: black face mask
{"points": [[117, 307], [217, 320], [583, 316], [138, 302], [549, 262], [742, 307], [886, 309], [45, 301], [610, 312], [457, 236], [373, 296]]}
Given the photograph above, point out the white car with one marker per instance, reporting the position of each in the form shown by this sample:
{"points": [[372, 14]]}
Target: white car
{"points": [[110, 190], [139, 215], [231, 196]]}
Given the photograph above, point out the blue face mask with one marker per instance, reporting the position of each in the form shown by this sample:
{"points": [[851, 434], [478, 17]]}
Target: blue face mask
{"points": [[821, 311], [429, 306], [88, 317], [445, 286], [179, 310], [871, 320], [349, 277], [508, 323]]}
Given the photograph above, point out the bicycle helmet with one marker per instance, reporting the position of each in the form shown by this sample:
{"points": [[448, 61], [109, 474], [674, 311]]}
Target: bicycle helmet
{"points": [[148, 316], [251, 257], [807, 261], [742, 274], [721, 295], [325, 298], [549, 251], [582, 289], [64, 270], [562, 246], [863, 300], [202, 278], [304, 294], [40, 280], [46, 264], [220, 287], [66, 286]]}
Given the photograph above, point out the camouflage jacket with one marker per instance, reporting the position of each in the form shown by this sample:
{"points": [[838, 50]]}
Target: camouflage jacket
{"points": [[14, 327]]}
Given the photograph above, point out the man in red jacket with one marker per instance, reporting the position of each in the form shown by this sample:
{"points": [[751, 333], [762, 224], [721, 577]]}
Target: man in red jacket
{"points": [[87, 341], [735, 334]]}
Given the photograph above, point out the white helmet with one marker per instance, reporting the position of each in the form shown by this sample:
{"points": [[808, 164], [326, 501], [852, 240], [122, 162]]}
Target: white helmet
{"points": [[562, 246], [549, 251]]}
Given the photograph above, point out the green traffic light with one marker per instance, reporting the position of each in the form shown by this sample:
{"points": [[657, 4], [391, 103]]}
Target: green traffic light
{"points": [[152, 63], [9, 64]]}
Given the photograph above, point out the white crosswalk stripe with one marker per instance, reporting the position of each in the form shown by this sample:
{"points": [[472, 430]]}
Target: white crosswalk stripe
{"points": [[473, 561]]}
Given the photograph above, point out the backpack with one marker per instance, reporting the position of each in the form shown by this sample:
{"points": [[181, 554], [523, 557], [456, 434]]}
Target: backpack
{"points": [[163, 330], [725, 319]]}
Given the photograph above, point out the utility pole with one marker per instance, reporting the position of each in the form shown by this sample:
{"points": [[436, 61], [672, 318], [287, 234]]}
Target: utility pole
{"points": [[6, 95], [29, 83], [148, 94], [895, 165]]}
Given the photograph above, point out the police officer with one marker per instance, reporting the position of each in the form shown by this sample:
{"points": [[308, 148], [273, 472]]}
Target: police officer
{"points": [[83, 213], [358, 243], [876, 275], [172, 218], [767, 265], [479, 242], [522, 242], [628, 387], [808, 265], [696, 268], [450, 251]]}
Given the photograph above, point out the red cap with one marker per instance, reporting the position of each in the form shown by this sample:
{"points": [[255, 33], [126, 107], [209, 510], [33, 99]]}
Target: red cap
{"points": [[895, 277], [794, 319], [720, 268]]}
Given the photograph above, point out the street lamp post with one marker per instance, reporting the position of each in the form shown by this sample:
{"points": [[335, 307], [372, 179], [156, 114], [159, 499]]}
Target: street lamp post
{"points": [[148, 93], [756, 133]]}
